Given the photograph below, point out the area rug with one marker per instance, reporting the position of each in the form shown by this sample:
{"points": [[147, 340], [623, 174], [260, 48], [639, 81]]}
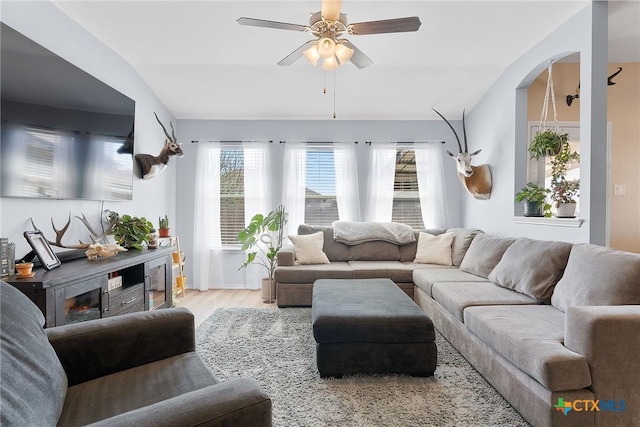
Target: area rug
{"points": [[276, 348]]}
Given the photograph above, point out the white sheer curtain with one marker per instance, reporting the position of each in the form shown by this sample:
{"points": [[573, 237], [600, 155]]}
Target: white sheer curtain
{"points": [[382, 167], [207, 247], [431, 184], [257, 196], [294, 179], [346, 168]]}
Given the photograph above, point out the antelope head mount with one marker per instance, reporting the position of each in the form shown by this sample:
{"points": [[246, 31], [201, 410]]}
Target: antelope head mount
{"points": [[151, 166], [475, 179]]}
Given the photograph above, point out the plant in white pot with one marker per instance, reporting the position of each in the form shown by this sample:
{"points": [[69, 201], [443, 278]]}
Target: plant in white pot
{"points": [[263, 238], [564, 191]]}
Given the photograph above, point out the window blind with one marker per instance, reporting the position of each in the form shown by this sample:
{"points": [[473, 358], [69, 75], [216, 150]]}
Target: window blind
{"points": [[321, 207], [231, 194], [406, 197]]}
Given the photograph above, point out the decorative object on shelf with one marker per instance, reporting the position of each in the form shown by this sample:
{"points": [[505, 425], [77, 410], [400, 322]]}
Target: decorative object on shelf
{"points": [[48, 259], [153, 239], [24, 269], [151, 166], [103, 251], [178, 258], [163, 226], [264, 234], [548, 141], [475, 179], [534, 198], [563, 191], [610, 82], [130, 232], [95, 236]]}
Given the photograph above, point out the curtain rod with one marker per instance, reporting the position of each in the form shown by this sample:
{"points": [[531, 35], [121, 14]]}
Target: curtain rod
{"points": [[406, 142], [195, 141], [316, 142]]}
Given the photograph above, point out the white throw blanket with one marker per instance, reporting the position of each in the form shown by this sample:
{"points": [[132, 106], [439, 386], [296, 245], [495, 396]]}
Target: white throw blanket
{"points": [[354, 233]]}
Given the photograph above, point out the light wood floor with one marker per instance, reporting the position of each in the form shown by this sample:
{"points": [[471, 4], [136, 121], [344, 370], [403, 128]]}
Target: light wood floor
{"points": [[204, 303]]}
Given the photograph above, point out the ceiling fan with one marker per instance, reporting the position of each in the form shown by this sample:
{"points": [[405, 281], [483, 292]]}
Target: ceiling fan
{"points": [[328, 26]]}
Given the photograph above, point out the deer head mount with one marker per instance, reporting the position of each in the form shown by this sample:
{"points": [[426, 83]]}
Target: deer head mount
{"points": [[475, 179], [151, 166]]}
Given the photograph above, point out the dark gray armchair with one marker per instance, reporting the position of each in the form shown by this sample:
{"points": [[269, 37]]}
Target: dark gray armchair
{"points": [[137, 369]]}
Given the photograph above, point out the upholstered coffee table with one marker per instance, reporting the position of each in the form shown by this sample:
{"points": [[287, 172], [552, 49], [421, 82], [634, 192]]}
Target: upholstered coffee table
{"points": [[370, 326]]}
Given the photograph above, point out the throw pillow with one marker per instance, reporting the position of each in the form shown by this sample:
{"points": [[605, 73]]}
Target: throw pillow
{"points": [[484, 253], [308, 248], [532, 267], [462, 238], [434, 249], [596, 275]]}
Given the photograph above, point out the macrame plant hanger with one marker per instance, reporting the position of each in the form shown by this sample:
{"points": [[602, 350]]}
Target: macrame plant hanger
{"points": [[549, 93]]}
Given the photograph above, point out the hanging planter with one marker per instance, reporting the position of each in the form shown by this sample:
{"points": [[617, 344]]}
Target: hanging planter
{"points": [[548, 141]]}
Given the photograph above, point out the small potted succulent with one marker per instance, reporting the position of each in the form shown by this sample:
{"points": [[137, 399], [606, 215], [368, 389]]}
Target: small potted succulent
{"points": [[163, 226], [534, 198], [547, 143], [23, 269]]}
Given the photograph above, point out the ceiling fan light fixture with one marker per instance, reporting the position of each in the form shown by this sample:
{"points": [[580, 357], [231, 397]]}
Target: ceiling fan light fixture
{"points": [[326, 47], [330, 63], [312, 55], [343, 53]]}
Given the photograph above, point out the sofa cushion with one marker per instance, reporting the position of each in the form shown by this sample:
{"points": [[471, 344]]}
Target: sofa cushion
{"points": [[335, 251], [596, 275], [408, 251], [484, 253], [531, 337], [134, 388], [313, 272], [34, 384], [425, 278], [394, 270], [532, 267], [308, 248], [434, 249], [462, 238], [456, 296], [374, 251]]}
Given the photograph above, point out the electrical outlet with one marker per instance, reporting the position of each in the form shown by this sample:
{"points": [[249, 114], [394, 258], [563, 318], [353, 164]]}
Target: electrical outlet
{"points": [[619, 190]]}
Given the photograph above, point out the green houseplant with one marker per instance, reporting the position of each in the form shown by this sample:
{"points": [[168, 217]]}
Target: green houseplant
{"points": [[163, 226], [262, 239], [130, 231], [564, 191], [547, 143], [534, 198]]}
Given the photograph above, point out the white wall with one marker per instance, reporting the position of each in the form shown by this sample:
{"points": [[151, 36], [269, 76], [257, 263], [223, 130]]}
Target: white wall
{"points": [[497, 124], [47, 25], [330, 130]]}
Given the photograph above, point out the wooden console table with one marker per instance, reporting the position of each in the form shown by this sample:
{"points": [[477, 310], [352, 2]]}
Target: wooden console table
{"points": [[82, 290]]}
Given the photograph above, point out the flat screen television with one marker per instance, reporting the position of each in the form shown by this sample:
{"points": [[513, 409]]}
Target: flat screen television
{"points": [[64, 134]]}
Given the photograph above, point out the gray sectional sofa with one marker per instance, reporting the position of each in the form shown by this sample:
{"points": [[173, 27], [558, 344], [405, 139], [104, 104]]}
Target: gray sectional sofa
{"points": [[553, 326]]}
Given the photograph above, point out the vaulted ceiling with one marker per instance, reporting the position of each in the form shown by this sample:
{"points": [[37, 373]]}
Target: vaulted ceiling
{"points": [[203, 65]]}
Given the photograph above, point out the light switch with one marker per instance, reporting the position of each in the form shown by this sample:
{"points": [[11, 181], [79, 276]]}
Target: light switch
{"points": [[618, 190]]}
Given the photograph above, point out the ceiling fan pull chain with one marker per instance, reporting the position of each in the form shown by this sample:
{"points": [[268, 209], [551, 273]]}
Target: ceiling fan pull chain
{"points": [[324, 81], [334, 93]]}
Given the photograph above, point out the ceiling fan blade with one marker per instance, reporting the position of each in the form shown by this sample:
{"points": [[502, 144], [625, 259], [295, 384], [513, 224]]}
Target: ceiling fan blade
{"points": [[398, 25], [271, 24], [331, 9], [359, 59], [296, 54]]}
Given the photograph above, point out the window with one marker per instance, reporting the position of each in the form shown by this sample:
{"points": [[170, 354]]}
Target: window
{"points": [[406, 197], [231, 194], [320, 204]]}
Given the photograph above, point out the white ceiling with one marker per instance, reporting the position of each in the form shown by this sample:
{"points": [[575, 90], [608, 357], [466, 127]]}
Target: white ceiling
{"points": [[203, 65]]}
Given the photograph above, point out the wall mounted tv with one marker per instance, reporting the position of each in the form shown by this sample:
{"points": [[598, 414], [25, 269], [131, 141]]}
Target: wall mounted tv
{"points": [[64, 134]]}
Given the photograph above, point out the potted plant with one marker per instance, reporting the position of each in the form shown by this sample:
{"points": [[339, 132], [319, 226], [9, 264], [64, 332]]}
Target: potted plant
{"points": [[563, 191], [23, 269], [163, 226], [263, 238], [534, 198], [130, 231], [547, 143]]}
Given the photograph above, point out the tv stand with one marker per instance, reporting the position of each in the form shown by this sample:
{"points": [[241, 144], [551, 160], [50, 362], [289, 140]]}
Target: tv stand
{"points": [[81, 289]]}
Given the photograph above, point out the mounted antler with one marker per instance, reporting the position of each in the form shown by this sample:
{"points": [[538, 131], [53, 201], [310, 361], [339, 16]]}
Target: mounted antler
{"points": [[476, 179], [150, 166], [60, 233]]}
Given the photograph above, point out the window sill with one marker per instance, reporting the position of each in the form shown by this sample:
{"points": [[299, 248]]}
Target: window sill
{"points": [[551, 222]]}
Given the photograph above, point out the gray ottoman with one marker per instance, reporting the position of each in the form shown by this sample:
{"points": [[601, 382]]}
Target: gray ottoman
{"points": [[370, 326]]}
